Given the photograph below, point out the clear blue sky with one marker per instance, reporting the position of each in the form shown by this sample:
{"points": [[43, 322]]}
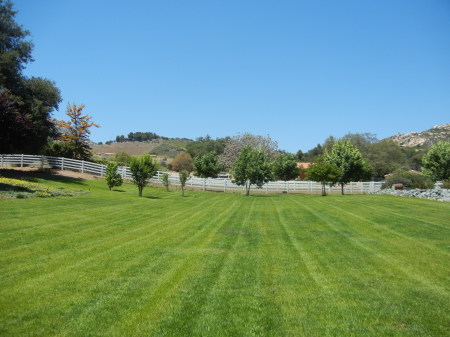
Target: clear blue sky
{"points": [[296, 70]]}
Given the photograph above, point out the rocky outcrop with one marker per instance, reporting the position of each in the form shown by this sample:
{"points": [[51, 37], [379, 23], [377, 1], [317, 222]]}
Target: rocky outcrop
{"points": [[424, 138]]}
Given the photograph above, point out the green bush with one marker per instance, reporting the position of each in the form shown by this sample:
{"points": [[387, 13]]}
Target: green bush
{"points": [[112, 176], [446, 184], [409, 180]]}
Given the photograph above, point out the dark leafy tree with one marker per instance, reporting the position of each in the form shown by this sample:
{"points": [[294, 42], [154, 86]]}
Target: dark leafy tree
{"points": [[208, 165], [313, 154], [15, 49], [35, 98], [142, 136], [14, 125], [59, 149], [285, 167], [120, 139], [385, 157], [205, 145]]}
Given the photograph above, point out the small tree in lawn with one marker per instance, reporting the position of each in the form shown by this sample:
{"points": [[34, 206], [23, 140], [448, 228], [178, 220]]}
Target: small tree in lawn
{"points": [[77, 131], [324, 173], [142, 169], [436, 162], [112, 176], [251, 168], [165, 181], [348, 158], [285, 167], [184, 176]]}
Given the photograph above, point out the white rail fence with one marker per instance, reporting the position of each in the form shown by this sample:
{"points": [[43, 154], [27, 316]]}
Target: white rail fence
{"points": [[210, 184]]}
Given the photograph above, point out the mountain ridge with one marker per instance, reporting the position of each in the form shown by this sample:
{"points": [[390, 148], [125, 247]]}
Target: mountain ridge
{"points": [[423, 138]]}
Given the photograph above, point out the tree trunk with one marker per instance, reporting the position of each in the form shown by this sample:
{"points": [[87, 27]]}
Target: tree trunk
{"points": [[140, 191], [342, 188], [182, 190], [247, 189], [324, 192]]}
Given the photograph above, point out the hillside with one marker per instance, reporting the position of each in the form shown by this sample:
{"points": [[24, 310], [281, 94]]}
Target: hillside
{"points": [[423, 138], [162, 147]]}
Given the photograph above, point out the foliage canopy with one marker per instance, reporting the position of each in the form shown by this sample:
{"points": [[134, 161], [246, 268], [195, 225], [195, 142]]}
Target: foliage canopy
{"points": [[436, 162], [251, 167], [348, 158]]}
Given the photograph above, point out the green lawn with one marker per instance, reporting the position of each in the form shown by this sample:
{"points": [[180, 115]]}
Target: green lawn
{"points": [[214, 264]]}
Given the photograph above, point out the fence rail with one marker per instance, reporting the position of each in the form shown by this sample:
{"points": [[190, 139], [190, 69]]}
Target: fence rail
{"points": [[210, 184]]}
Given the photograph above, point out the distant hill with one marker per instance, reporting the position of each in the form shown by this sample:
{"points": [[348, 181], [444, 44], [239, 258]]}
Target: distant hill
{"points": [[161, 147], [423, 138]]}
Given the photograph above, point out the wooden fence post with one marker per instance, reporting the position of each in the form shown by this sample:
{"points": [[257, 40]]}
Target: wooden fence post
{"points": [[2, 160], [82, 166], [62, 163], [21, 160], [101, 170]]}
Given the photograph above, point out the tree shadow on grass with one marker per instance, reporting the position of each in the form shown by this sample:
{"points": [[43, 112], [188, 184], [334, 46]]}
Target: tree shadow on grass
{"points": [[148, 197], [121, 191], [33, 176]]}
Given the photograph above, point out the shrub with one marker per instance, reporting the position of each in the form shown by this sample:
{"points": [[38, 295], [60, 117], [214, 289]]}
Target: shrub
{"points": [[112, 176], [182, 162], [446, 184], [165, 181], [122, 158], [409, 180]]}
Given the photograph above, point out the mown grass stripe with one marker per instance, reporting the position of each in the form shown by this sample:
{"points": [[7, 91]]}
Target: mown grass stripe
{"points": [[61, 264]]}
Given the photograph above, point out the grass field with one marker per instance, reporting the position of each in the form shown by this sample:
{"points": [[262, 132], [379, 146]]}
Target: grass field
{"points": [[112, 264]]}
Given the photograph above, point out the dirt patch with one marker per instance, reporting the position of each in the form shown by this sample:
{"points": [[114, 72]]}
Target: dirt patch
{"points": [[36, 172]]}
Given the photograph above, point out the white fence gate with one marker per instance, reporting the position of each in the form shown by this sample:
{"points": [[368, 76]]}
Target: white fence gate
{"points": [[210, 184]]}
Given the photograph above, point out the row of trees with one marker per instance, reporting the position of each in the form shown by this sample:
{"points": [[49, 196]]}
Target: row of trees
{"points": [[138, 137], [343, 164], [384, 156], [142, 169]]}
